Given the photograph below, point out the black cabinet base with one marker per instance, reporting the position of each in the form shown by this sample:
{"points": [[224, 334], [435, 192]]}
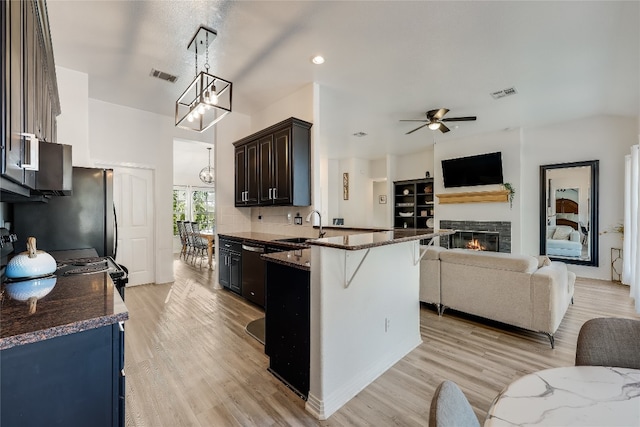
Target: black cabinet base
{"points": [[304, 395], [287, 325], [71, 380]]}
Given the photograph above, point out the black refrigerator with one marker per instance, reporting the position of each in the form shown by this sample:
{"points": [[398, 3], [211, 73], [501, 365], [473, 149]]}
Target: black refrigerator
{"points": [[85, 219]]}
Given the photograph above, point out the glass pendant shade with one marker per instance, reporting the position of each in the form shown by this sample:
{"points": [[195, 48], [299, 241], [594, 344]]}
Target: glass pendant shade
{"points": [[206, 174]]}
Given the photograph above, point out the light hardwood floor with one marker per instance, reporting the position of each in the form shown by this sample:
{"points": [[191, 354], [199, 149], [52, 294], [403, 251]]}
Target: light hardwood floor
{"points": [[189, 361]]}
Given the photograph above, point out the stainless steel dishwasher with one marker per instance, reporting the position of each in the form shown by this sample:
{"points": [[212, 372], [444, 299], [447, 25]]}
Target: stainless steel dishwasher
{"points": [[253, 273]]}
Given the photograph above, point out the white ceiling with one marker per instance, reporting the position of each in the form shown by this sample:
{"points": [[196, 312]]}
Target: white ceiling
{"points": [[385, 60]]}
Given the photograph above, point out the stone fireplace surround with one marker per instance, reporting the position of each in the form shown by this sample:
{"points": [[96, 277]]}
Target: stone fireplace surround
{"points": [[503, 228]]}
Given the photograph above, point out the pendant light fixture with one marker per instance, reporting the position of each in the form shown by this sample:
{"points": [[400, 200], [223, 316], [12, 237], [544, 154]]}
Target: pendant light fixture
{"points": [[208, 98], [206, 174]]}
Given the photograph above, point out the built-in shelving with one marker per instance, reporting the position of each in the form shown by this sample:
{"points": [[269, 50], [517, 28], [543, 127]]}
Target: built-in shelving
{"points": [[413, 204]]}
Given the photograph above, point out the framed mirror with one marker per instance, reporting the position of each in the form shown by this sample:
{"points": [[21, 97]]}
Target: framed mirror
{"points": [[569, 212]]}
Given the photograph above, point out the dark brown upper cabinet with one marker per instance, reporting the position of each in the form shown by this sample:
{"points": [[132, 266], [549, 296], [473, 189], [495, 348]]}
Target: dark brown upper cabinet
{"points": [[283, 166], [30, 102], [246, 178]]}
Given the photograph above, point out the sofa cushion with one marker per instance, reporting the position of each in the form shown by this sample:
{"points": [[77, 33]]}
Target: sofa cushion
{"points": [[543, 260], [562, 232], [493, 260]]}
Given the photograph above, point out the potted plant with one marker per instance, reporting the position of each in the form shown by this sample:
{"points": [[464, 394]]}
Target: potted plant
{"points": [[512, 192]]}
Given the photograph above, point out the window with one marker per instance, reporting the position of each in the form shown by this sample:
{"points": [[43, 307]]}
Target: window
{"points": [[179, 207], [194, 204], [203, 208]]}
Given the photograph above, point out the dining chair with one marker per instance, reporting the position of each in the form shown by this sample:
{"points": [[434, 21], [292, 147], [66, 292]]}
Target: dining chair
{"points": [[450, 407], [609, 342], [189, 234], [200, 245], [182, 232]]}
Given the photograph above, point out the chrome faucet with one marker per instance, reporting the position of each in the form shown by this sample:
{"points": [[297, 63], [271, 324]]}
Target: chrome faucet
{"points": [[320, 233]]}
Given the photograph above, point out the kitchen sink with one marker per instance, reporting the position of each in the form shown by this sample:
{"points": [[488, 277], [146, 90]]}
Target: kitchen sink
{"points": [[293, 240]]}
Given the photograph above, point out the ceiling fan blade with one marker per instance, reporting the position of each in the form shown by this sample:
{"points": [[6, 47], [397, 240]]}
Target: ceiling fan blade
{"points": [[415, 120], [418, 128], [436, 114], [460, 119], [443, 128]]}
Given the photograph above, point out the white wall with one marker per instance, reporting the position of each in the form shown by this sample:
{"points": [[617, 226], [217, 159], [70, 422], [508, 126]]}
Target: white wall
{"points": [[380, 213], [604, 138], [73, 121], [299, 104], [414, 165], [508, 143], [189, 158], [229, 219], [122, 136]]}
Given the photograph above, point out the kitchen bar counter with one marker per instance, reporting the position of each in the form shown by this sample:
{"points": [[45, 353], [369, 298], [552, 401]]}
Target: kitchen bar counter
{"points": [[300, 258], [75, 304], [355, 242], [263, 238]]}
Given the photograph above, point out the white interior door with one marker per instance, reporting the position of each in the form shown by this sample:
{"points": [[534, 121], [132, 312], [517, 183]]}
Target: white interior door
{"points": [[133, 198]]}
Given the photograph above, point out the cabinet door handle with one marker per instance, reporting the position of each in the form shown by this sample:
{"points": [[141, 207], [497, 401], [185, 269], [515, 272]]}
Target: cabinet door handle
{"points": [[270, 193], [30, 155], [246, 196], [274, 193], [121, 326]]}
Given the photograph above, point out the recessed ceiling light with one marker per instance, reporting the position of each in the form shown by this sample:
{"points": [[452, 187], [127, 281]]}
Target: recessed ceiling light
{"points": [[359, 134], [317, 60]]}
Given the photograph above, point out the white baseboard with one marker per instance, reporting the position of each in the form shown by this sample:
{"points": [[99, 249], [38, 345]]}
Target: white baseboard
{"points": [[323, 408]]}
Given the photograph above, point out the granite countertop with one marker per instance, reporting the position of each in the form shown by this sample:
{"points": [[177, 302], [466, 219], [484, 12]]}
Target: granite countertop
{"points": [[300, 259], [355, 242], [75, 304], [265, 238]]}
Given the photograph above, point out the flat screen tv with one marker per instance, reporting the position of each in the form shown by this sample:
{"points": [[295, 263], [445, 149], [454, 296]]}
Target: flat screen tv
{"points": [[483, 169]]}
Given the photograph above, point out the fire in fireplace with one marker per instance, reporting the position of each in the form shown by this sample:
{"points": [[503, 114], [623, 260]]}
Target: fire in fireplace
{"points": [[475, 240], [501, 228]]}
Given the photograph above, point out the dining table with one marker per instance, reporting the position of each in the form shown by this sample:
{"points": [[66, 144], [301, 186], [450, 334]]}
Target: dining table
{"points": [[211, 238], [570, 396]]}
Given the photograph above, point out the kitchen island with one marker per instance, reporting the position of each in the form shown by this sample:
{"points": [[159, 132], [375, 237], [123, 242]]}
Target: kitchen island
{"points": [[63, 362], [362, 292]]}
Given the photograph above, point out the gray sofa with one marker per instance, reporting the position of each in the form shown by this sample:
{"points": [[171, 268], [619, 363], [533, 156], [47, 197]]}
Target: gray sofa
{"points": [[520, 290]]}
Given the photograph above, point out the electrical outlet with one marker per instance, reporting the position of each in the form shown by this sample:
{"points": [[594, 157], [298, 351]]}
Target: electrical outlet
{"points": [[289, 218]]}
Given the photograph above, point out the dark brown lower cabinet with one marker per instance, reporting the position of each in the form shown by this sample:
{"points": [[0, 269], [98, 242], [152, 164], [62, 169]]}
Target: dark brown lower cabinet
{"points": [[71, 380], [287, 325]]}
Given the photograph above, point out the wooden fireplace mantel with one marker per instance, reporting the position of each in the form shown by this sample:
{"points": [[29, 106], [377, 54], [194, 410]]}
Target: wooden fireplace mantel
{"points": [[474, 197]]}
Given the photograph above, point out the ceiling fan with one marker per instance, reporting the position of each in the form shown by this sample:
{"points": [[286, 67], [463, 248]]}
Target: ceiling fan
{"points": [[435, 120]]}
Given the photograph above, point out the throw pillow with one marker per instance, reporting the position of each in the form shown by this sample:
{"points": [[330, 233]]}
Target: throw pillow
{"points": [[562, 233], [543, 261]]}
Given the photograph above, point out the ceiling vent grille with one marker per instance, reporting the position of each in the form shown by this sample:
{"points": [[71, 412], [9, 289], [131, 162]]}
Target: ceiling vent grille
{"points": [[504, 92], [163, 76]]}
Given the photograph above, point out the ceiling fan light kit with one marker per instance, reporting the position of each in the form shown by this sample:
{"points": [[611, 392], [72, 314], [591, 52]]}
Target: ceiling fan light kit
{"points": [[208, 98], [435, 120]]}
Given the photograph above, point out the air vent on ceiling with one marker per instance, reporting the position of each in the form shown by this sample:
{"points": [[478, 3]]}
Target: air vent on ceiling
{"points": [[163, 76], [504, 92]]}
